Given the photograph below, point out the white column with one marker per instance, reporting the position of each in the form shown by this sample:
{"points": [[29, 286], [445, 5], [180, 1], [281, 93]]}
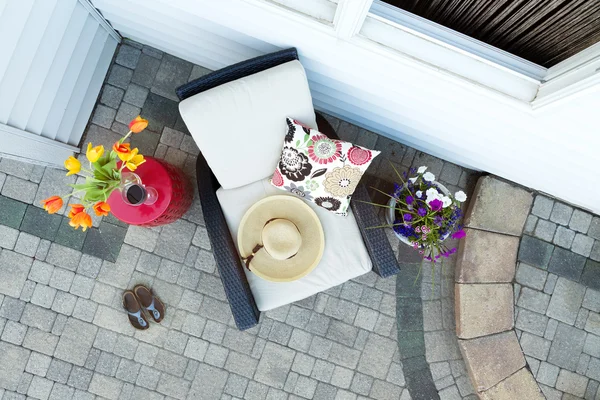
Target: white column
{"points": [[350, 16]]}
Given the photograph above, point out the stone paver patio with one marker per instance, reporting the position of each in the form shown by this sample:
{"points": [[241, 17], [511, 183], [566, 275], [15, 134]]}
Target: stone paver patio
{"points": [[63, 333]]}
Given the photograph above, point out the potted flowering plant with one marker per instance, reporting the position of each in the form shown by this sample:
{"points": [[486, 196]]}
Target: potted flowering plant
{"points": [[423, 213], [104, 175]]}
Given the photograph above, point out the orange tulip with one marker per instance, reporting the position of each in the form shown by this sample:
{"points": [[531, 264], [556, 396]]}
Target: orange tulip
{"points": [[138, 124], [76, 209], [101, 209], [82, 219], [73, 165], [52, 204], [123, 150]]}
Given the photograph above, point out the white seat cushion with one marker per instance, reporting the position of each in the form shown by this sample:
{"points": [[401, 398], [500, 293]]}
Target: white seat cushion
{"points": [[345, 256], [240, 126]]}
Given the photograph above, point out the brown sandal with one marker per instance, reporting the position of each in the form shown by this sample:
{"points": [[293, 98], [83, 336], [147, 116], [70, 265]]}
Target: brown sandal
{"points": [[134, 311], [150, 303]]}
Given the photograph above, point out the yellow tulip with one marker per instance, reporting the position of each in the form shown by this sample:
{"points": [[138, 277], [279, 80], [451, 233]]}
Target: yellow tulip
{"points": [[94, 153], [73, 165], [135, 160]]}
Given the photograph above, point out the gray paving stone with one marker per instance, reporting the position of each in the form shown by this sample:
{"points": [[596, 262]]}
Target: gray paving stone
{"points": [[593, 323], [173, 72], [148, 263], [62, 279], [531, 322], [582, 317], [40, 341], [566, 300], [128, 56], [59, 371], [583, 363], [545, 230], [43, 296], [209, 380], [530, 224], [105, 386], [40, 388], [80, 378], [27, 291], [127, 113], [38, 317], [17, 168], [566, 263], [140, 237], [128, 371], [236, 385], [14, 332], [595, 253], [136, 95], [19, 189], [38, 364], [533, 300], [535, 252], [582, 245], [547, 374], [580, 221], [274, 364], [241, 364], [542, 206], [563, 237], [60, 392], [550, 283], [27, 244], [8, 237], [76, 342], [12, 210], [63, 257], [64, 303], [175, 239], [111, 96], [216, 355], [535, 346], [104, 116], [189, 146], [120, 76], [561, 213], [591, 300], [594, 369], [12, 308], [82, 286], [531, 276], [566, 347], [571, 383], [591, 390], [119, 273], [146, 70], [160, 112], [591, 274]]}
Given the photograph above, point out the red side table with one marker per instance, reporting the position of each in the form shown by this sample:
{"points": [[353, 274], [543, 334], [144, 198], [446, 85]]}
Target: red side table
{"points": [[175, 195]]}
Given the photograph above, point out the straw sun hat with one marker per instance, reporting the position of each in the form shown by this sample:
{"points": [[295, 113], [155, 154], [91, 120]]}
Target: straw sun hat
{"points": [[281, 238]]}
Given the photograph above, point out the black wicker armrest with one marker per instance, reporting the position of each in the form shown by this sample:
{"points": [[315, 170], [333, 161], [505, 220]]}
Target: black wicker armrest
{"points": [[384, 261], [230, 267]]}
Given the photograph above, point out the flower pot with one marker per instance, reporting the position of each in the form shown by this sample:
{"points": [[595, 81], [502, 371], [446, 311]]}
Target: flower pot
{"points": [[390, 215]]}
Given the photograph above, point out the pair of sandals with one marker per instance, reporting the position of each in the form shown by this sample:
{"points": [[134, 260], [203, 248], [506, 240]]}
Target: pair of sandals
{"points": [[141, 303]]}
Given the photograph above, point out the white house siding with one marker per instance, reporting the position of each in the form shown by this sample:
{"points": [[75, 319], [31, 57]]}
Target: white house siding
{"points": [[554, 150], [55, 55]]}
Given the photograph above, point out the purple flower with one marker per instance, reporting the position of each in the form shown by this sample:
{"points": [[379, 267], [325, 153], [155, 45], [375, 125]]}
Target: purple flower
{"points": [[422, 212], [436, 205], [438, 220], [407, 217], [409, 199], [459, 234]]}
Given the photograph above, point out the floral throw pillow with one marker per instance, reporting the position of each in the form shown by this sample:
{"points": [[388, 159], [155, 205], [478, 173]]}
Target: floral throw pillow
{"points": [[319, 169]]}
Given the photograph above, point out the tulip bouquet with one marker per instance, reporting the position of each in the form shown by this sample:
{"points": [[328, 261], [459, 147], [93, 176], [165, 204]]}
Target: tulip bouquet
{"points": [[101, 178]]}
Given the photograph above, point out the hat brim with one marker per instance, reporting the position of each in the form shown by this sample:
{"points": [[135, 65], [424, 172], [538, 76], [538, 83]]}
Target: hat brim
{"points": [[308, 224]]}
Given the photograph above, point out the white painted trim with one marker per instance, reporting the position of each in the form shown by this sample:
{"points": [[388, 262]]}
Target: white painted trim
{"points": [[24, 145], [350, 16], [292, 14], [98, 17]]}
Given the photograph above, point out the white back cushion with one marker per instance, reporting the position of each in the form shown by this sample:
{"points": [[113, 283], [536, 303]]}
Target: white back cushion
{"points": [[345, 256], [239, 126]]}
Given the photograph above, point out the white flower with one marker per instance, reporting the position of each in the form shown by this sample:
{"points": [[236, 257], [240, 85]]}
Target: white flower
{"points": [[419, 193], [460, 196], [421, 170], [412, 179], [446, 201], [432, 192], [428, 176]]}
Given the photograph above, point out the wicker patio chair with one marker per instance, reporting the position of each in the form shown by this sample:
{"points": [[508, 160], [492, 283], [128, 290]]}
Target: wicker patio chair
{"points": [[229, 264]]}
